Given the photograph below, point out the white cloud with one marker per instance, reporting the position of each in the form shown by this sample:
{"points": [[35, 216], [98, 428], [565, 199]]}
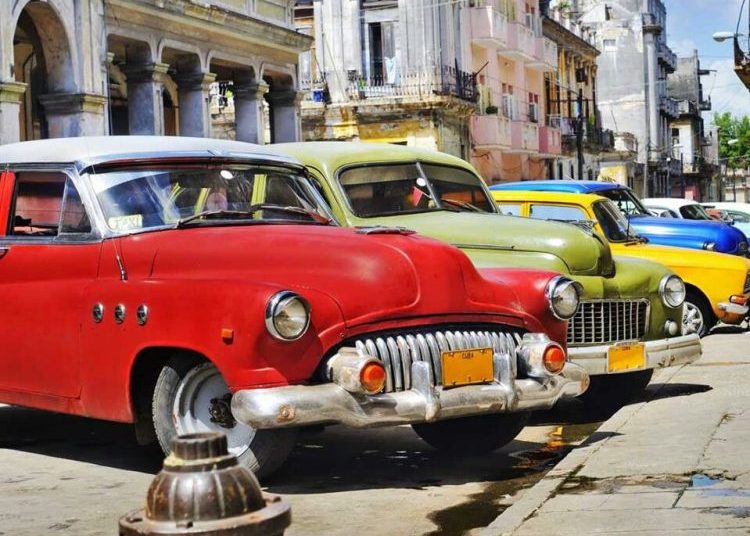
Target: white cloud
{"points": [[727, 92]]}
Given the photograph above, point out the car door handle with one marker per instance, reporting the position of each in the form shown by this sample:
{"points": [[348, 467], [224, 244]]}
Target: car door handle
{"points": [[3, 251]]}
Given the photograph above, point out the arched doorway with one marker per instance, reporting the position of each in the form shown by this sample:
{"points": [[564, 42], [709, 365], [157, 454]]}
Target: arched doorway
{"points": [[42, 61]]}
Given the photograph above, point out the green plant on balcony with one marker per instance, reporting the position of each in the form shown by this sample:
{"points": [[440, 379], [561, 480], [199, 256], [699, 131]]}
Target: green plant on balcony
{"points": [[491, 110]]}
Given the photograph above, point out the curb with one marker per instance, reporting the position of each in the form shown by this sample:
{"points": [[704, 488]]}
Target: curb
{"points": [[533, 498]]}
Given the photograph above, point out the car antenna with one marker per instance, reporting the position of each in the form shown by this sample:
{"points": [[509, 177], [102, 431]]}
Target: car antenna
{"points": [[115, 240]]}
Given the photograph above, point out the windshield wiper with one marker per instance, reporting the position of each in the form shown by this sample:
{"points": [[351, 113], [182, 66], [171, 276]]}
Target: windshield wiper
{"points": [[461, 204], [250, 212]]}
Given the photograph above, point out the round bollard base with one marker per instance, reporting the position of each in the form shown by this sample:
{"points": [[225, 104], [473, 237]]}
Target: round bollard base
{"points": [[269, 521]]}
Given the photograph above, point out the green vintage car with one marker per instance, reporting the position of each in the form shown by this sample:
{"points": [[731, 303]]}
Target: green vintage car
{"points": [[629, 320]]}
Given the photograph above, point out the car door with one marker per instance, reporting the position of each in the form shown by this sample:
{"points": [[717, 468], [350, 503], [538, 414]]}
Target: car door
{"points": [[48, 256]]}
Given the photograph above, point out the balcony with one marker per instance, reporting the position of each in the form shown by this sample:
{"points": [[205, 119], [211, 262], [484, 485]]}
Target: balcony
{"points": [[705, 105], [524, 137], [670, 107], [545, 56], [491, 132], [521, 44], [550, 141], [667, 57], [444, 81], [489, 28]]}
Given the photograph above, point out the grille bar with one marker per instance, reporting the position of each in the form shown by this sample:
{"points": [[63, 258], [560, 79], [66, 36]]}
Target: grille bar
{"points": [[608, 321], [398, 352]]}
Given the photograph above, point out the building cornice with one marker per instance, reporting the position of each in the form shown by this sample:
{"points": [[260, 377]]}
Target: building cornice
{"points": [[568, 40]]}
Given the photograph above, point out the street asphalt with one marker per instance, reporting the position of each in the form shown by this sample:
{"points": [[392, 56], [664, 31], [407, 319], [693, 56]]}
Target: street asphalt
{"points": [[674, 462]]}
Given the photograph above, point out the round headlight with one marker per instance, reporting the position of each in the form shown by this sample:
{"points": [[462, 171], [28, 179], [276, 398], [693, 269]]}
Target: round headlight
{"points": [[564, 296], [287, 316], [710, 246], [672, 291]]}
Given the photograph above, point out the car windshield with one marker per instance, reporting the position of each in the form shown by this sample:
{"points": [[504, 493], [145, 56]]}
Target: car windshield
{"points": [[694, 212], [379, 190], [613, 223], [626, 201], [139, 198]]}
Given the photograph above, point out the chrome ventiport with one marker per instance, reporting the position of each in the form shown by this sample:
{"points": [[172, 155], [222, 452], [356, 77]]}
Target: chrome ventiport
{"points": [[119, 313], [141, 314], [97, 312]]}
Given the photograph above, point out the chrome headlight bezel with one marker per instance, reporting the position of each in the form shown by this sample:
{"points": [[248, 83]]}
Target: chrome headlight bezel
{"points": [[558, 289], [665, 292], [278, 304]]}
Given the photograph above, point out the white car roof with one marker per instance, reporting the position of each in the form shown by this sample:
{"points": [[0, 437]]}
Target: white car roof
{"points": [[667, 202], [743, 207], [89, 150]]}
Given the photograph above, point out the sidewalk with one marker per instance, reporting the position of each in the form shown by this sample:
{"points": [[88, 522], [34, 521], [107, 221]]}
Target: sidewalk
{"points": [[676, 464]]}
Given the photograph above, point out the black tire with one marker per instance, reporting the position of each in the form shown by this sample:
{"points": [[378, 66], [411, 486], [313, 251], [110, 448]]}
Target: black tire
{"points": [[610, 391], [266, 449], [473, 435], [701, 307]]}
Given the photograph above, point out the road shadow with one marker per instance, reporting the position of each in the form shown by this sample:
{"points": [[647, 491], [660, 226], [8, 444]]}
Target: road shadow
{"points": [[76, 438], [658, 391]]}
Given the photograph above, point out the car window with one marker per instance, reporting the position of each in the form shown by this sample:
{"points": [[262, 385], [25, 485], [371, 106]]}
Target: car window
{"points": [[739, 217], [557, 212], [626, 201], [510, 209], [135, 199], [47, 204], [694, 212], [377, 190], [613, 222]]}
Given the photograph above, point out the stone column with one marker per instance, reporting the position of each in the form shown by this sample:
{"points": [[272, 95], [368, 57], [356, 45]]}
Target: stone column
{"points": [[285, 116], [74, 114], [248, 111], [195, 116], [145, 101], [11, 96]]}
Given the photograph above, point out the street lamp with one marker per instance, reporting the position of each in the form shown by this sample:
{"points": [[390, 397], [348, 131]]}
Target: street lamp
{"points": [[720, 37], [741, 60]]}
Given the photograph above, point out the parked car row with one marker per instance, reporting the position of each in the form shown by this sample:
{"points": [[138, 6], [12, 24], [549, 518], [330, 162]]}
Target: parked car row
{"points": [[188, 285]]}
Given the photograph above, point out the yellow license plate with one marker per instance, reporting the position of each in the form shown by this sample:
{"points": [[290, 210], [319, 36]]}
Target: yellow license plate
{"points": [[467, 367], [626, 357]]}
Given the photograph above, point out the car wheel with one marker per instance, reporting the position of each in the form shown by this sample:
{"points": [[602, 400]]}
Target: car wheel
{"points": [[697, 316], [191, 397], [610, 391], [473, 435]]}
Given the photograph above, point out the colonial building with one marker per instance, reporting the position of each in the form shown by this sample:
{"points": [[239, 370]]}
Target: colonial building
{"points": [[511, 136], [572, 96], [86, 67], [689, 140], [632, 81], [396, 71]]}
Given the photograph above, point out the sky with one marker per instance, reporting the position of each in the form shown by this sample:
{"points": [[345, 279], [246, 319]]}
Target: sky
{"points": [[690, 25]]}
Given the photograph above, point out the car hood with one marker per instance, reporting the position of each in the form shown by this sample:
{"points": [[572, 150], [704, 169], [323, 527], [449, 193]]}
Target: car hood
{"points": [[581, 252], [371, 277], [726, 237]]}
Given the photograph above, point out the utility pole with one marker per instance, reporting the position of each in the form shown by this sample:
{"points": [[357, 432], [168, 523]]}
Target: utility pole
{"points": [[579, 134]]}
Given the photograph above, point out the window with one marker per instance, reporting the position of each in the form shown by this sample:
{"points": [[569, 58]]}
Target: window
{"points": [[610, 45], [694, 212], [510, 209], [533, 108], [47, 204], [382, 53], [557, 212]]}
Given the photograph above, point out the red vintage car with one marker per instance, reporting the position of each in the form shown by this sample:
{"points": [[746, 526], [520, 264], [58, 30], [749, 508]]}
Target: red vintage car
{"points": [[188, 285]]}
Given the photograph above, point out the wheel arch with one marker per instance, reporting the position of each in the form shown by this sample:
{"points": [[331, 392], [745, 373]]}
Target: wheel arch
{"points": [[144, 372], [689, 287]]}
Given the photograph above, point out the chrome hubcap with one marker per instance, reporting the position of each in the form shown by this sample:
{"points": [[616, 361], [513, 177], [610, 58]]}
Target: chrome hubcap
{"points": [[202, 404], [692, 319]]}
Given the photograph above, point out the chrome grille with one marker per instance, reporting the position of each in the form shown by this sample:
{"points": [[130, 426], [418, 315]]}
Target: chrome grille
{"points": [[398, 351], [608, 321]]}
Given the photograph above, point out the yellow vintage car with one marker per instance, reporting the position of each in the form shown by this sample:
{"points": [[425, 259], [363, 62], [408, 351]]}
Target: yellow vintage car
{"points": [[718, 285]]}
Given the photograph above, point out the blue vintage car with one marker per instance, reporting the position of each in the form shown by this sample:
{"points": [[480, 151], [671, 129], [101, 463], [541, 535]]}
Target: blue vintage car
{"points": [[694, 234]]}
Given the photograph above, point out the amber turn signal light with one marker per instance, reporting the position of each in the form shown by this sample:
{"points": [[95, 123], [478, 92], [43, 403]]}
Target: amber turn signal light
{"points": [[738, 299], [554, 359], [372, 378]]}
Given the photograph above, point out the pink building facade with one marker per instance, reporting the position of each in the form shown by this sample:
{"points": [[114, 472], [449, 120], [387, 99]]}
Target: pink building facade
{"points": [[511, 138]]}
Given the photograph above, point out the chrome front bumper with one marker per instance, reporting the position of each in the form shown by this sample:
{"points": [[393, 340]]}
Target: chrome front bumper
{"points": [[301, 405], [734, 308], [659, 354]]}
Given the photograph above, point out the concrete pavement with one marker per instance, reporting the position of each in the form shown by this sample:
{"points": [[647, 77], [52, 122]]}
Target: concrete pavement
{"points": [[677, 463]]}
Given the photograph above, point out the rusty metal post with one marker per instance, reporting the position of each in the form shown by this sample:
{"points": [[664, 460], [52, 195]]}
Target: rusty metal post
{"points": [[202, 490]]}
